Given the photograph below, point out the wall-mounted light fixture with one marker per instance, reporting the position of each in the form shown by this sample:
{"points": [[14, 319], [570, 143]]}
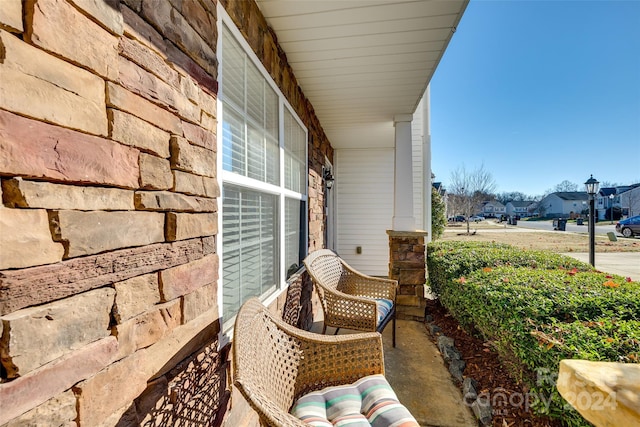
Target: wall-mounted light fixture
{"points": [[328, 177]]}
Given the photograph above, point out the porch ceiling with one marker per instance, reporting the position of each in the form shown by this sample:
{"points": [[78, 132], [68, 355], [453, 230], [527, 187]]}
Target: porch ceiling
{"points": [[361, 62]]}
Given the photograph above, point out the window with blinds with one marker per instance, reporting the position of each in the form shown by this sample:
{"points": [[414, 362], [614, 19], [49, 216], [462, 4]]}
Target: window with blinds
{"points": [[250, 246], [264, 180]]}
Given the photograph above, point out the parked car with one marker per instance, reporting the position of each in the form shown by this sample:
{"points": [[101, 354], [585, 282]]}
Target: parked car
{"points": [[629, 227], [457, 218], [476, 218]]}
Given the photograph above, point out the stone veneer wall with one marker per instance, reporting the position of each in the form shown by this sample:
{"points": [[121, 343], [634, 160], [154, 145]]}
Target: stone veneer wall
{"points": [[108, 221], [407, 265]]}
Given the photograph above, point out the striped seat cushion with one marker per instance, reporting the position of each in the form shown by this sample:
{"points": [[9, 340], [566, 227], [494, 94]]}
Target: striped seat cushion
{"points": [[370, 401], [384, 307]]}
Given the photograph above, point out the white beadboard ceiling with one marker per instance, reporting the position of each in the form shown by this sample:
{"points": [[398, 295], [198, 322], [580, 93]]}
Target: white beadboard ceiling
{"points": [[361, 62]]}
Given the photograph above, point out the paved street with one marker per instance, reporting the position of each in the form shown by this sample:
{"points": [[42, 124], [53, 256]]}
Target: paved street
{"points": [[602, 228]]}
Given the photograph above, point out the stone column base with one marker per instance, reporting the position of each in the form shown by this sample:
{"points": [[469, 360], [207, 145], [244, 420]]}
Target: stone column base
{"points": [[407, 265]]}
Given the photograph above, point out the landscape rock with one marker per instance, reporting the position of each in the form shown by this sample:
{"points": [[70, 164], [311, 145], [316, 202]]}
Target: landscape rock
{"points": [[434, 329], [451, 353], [469, 390], [482, 410], [456, 368], [444, 342]]}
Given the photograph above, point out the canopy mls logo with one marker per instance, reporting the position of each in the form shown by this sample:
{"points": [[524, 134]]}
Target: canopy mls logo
{"points": [[500, 398]]}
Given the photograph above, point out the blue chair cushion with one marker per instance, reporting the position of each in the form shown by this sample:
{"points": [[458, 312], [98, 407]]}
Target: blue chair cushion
{"points": [[384, 306]]}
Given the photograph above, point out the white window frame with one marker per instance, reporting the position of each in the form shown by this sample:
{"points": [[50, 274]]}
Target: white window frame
{"points": [[234, 179]]}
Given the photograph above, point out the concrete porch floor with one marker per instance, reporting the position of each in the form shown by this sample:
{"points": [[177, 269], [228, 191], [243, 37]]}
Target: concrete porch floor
{"points": [[418, 374]]}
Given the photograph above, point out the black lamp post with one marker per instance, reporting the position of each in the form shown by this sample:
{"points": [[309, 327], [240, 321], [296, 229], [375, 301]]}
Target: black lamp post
{"points": [[592, 189]]}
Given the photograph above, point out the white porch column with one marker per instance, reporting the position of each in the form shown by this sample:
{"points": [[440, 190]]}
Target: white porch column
{"points": [[426, 162], [403, 219]]}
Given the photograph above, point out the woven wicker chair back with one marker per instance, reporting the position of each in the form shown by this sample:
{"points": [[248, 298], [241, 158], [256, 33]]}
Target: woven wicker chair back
{"points": [[327, 269], [266, 357], [275, 363]]}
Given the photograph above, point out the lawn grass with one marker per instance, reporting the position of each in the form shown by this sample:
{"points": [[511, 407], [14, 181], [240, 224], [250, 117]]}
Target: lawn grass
{"points": [[554, 241]]}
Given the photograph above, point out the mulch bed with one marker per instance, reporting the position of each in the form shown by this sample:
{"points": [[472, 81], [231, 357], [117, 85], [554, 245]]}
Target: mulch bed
{"points": [[483, 364]]}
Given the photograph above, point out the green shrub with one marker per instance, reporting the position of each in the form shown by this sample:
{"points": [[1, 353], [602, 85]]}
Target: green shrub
{"points": [[536, 317], [448, 260], [438, 214]]}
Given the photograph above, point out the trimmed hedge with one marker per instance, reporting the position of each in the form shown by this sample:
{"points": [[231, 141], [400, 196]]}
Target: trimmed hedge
{"points": [[447, 260], [535, 317]]}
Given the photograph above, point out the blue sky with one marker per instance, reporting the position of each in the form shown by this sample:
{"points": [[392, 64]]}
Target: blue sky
{"points": [[539, 92]]}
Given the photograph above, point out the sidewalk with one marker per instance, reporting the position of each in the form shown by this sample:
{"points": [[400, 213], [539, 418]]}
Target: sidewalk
{"points": [[416, 371], [625, 264]]}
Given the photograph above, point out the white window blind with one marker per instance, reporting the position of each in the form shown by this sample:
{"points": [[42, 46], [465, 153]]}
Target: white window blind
{"points": [[250, 245], [250, 134], [263, 217], [295, 154]]}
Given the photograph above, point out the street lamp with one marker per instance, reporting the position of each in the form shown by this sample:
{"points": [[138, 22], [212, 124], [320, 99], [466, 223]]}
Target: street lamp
{"points": [[611, 196], [592, 189]]}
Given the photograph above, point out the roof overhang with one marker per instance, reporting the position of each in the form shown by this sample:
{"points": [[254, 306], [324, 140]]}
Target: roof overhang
{"points": [[362, 62]]}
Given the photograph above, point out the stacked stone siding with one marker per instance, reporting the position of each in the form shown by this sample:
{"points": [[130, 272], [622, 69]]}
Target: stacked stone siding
{"points": [[407, 253], [109, 217]]}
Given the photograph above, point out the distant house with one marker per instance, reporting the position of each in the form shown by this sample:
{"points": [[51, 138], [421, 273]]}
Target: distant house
{"points": [[563, 204], [629, 200], [439, 188], [626, 198], [606, 199], [493, 209], [520, 207]]}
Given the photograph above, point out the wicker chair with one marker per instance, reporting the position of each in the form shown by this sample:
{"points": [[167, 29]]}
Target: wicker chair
{"points": [[349, 297], [275, 363]]}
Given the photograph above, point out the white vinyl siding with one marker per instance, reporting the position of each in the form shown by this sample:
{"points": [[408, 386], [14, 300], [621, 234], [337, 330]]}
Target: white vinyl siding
{"points": [[364, 207]]}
